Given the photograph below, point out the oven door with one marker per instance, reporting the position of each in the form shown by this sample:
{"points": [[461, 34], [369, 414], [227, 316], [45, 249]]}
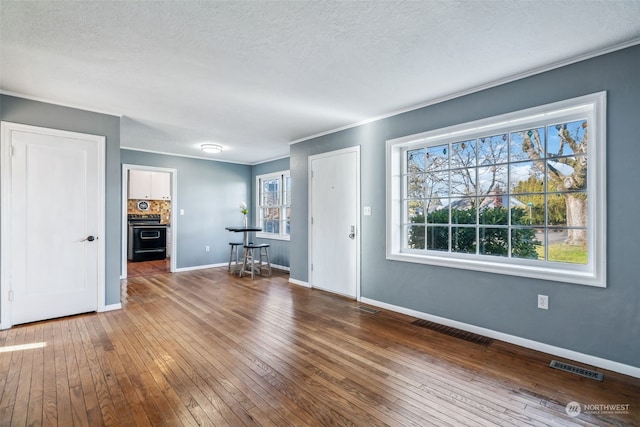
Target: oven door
{"points": [[147, 242]]}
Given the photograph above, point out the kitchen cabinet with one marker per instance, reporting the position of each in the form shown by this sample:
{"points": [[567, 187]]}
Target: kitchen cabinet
{"points": [[149, 185], [139, 184], [160, 186]]}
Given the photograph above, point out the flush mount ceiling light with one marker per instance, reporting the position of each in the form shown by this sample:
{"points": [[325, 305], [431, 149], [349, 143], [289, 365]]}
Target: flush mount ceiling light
{"points": [[211, 148]]}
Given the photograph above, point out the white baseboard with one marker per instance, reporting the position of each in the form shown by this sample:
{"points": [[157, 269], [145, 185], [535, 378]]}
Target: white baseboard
{"points": [[280, 267], [610, 365], [200, 267], [111, 307], [221, 264], [299, 282]]}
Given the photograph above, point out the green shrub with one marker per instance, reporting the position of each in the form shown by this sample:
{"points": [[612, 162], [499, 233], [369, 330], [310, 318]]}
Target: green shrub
{"points": [[492, 240]]}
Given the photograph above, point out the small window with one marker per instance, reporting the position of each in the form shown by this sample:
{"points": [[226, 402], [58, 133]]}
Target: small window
{"points": [[508, 194], [274, 205]]}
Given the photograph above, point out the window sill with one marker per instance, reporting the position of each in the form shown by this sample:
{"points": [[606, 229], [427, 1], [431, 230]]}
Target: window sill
{"points": [[272, 236], [563, 273]]}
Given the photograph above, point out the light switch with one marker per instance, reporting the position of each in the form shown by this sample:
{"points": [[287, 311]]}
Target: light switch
{"points": [[181, 211], [367, 210]]}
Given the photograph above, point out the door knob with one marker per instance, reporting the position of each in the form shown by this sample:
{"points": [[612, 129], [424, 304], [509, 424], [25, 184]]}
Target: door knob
{"points": [[352, 235], [89, 238]]}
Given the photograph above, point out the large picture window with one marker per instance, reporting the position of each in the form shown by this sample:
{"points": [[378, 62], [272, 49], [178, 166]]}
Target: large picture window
{"points": [[520, 194], [274, 205]]}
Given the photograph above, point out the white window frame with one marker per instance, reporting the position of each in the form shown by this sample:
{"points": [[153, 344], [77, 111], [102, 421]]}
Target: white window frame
{"points": [[593, 273], [282, 176]]}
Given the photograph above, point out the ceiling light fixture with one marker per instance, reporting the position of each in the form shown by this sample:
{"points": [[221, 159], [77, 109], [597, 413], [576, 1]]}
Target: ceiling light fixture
{"points": [[211, 148]]}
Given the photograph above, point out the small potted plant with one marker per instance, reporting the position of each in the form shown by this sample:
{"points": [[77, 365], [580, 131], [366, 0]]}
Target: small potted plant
{"points": [[245, 211]]}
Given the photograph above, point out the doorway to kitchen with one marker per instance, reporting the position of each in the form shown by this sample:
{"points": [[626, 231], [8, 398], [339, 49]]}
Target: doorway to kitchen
{"points": [[149, 210]]}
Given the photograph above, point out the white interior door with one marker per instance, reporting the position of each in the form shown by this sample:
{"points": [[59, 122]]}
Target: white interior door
{"points": [[335, 204], [56, 222]]}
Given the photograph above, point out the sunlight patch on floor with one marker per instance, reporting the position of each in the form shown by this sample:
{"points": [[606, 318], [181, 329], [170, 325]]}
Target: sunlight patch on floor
{"points": [[8, 348]]}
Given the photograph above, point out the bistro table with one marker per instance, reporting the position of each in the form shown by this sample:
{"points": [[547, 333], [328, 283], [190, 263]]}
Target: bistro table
{"points": [[245, 229]]}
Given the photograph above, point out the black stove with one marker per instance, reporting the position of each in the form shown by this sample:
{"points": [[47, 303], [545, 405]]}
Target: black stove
{"points": [[147, 237], [143, 219]]}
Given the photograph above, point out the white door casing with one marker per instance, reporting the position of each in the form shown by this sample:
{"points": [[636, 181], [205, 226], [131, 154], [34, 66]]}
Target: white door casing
{"points": [[334, 254], [173, 196], [53, 200]]}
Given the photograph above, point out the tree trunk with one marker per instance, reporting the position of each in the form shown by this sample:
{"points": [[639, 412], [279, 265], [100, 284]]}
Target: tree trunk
{"points": [[576, 217]]}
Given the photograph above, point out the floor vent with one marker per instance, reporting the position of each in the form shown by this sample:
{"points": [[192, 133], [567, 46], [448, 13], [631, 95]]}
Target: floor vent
{"points": [[368, 309], [577, 370], [453, 332]]}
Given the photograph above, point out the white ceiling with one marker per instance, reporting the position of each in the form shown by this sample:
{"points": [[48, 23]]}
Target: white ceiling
{"points": [[254, 76]]}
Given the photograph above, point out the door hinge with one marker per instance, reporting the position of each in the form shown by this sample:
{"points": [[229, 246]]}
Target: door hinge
{"points": [[10, 296], [311, 220], [311, 267], [11, 151]]}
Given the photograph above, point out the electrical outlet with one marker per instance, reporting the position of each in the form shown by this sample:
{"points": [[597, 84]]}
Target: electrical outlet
{"points": [[206, 248], [543, 302]]}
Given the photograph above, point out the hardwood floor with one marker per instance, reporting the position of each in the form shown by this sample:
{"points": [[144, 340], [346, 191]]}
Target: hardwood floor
{"points": [[207, 348], [148, 268]]}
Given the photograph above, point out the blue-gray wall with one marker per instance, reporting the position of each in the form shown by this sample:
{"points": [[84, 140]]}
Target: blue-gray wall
{"points": [[24, 111], [279, 249], [210, 193], [599, 322]]}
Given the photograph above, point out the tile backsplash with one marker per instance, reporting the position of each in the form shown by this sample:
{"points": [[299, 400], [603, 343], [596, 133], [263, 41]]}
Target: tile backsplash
{"points": [[162, 207]]}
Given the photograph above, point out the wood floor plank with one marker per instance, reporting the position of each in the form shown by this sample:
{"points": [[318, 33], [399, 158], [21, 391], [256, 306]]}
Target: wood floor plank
{"points": [[368, 403], [13, 367], [233, 364], [175, 381], [137, 363], [108, 412], [36, 386], [278, 420], [404, 421], [160, 388], [84, 374], [208, 348], [49, 397], [183, 372], [147, 268], [323, 376], [146, 412], [224, 402], [63, 395], [21, 403], [74, 381], [7, 338], [428, 378], [5, 415], [113, 392]]}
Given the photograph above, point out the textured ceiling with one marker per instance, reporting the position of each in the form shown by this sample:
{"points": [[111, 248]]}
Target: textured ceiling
{"points": [[254, 76]]}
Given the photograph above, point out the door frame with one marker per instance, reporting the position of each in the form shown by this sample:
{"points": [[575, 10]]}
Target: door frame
{"points": [[174, 203], [356, 150], [5, 213]]}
